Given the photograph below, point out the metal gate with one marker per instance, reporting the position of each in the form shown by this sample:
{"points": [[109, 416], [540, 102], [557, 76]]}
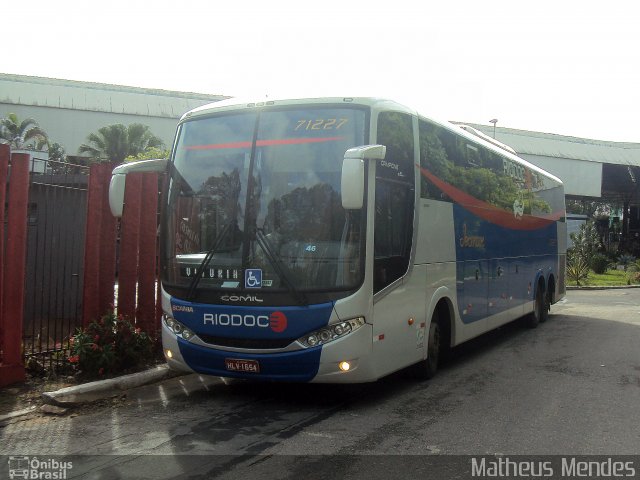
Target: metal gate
{"points": [[57, 213]]}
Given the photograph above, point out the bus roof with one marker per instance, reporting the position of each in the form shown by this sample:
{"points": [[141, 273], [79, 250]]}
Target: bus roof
{"points": [[240, 103], [376, 103]]}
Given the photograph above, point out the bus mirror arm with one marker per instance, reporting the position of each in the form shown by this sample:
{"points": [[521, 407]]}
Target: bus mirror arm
{"points": [[352, 184], [119, 178]]}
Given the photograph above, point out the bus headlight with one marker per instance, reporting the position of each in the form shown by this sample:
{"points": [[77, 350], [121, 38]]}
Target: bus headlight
{"points": [[331, 332], [177, 328]]}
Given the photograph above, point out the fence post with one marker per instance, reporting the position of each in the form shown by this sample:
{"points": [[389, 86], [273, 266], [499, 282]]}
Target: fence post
{"points": [[12, 368], [91, 284], [146, 317], [163, 188], [129, 234], [99, 250], [108, 241], [5, 153]]}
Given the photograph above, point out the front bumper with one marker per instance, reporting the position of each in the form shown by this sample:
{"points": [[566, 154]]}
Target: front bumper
{"points": [[315, 364]]}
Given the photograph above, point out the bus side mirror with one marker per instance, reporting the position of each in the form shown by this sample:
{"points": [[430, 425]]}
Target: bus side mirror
{"points": [[119, 178], [352, 184]]}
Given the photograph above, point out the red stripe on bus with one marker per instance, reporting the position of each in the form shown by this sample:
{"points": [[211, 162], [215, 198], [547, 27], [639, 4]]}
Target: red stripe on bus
{"points": [[218, 146], [491, 213], [265, 143]]}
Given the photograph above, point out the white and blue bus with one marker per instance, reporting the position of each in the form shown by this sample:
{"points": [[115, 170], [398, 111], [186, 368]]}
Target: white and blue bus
{"points": [[343, 239]]}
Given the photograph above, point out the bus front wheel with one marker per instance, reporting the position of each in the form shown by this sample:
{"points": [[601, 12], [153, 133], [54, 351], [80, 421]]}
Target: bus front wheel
{"points": [[428, 367]]}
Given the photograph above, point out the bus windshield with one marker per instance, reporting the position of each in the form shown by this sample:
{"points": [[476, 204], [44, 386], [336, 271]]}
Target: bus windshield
{"points": [[254, 203]]}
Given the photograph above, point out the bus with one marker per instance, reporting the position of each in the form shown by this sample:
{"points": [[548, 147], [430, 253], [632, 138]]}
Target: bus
{"points": [[339, 240]]}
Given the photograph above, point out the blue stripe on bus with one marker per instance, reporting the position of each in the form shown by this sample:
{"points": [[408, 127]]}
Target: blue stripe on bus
{"points": [[252, 323], [483, 249], [242, 322]]}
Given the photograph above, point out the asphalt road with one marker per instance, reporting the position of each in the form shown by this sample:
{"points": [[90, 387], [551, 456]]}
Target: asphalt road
{"points": [[569, 387]]}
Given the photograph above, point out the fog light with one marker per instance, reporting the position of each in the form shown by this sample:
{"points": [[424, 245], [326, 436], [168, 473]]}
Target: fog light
{"points": [[168, 353], [344, 366]]}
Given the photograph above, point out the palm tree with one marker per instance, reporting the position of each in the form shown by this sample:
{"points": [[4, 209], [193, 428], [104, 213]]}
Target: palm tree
{"points": [[114, 143], [25, 134]]}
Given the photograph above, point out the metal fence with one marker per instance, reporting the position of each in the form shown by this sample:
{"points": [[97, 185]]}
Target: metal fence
{"points": [[56, 222]]}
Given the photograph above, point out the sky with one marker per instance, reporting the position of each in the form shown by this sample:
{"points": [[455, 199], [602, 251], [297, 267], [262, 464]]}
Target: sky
{"points": [[566, 67]]}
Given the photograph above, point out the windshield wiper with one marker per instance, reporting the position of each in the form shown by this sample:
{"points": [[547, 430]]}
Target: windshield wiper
{"points": [[206, 260], [280, 268]]}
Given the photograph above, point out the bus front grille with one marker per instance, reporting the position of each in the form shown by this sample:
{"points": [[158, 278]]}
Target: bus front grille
{"points": [[249, 343]]}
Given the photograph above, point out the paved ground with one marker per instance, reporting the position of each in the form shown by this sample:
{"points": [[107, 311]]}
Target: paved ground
{"points": [[570, 387]]}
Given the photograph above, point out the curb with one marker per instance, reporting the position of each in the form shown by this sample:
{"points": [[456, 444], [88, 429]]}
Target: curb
{"points": [[601, 287], [17, 413], [102, 389]]}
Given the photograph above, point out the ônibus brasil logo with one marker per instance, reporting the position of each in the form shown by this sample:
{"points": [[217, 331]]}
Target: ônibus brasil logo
{"points": [[277, 321]]}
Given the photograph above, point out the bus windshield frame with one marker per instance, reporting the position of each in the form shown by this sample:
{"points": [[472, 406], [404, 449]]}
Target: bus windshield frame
{"points": [[254, 205]]}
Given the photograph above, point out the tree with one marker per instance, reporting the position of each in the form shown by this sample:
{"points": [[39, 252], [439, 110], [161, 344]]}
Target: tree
{"points": [[57, 158], [21, 134], [586, 243], [590, 208], [114, 143], [150, 153]]}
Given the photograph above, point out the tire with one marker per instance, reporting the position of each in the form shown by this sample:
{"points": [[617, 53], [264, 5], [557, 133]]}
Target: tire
{"points": [[428, 367], [540, 311], [546, 307]]}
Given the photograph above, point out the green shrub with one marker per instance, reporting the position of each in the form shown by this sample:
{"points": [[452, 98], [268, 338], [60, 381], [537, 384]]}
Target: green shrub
{"points": [[632, 272], [110, 345], [599, 263], [577, 267], [586, 241], [626, 260]]}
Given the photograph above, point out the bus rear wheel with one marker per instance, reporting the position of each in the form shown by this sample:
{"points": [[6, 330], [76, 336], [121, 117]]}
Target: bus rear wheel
{"points": [[540, 309], [546, 309]]}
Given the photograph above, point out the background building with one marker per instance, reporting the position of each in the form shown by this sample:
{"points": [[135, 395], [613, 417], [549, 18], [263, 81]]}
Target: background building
{"points": [[588, 168], [592, 170], [69, 110]]}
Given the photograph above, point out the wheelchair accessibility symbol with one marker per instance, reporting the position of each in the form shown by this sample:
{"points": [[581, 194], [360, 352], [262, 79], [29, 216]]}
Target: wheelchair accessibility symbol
{"points": [[253, 278]]}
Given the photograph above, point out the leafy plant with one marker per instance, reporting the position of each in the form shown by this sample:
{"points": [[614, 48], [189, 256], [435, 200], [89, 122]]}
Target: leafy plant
{"points": [[586, 241], [577, 267], [149, 154], [114, 143], [110, 345], [21, 134], [632, 272], [626, 261], [599, 263]]}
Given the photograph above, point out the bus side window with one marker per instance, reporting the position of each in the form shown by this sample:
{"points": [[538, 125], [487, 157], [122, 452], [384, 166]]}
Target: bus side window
{"points": [[394, 199]]}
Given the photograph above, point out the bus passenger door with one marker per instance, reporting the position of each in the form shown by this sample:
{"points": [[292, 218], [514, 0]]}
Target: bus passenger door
{"points": [[398, 301]]}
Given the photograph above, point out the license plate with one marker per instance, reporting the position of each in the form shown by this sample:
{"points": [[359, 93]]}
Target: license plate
{"points": [[237, 365]]}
